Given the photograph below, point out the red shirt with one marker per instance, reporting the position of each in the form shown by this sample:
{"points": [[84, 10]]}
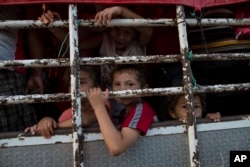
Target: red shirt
{"points": [[140, 117]]}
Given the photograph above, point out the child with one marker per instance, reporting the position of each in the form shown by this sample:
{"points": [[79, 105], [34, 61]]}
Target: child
{"points": [[89, 77], [119, 41], [137, 115], [177, 109]]}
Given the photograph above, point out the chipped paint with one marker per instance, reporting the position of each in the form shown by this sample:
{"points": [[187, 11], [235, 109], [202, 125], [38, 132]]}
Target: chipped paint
{"points": [[76, 138]]}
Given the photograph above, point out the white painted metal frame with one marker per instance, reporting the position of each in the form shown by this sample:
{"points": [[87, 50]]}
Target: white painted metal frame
{"points": [[76, 95]]}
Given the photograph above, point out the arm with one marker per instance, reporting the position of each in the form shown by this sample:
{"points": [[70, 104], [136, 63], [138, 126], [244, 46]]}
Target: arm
{"points": [[105, 16], [65, 124], [116, 141], [60, 33], [88, 118]]}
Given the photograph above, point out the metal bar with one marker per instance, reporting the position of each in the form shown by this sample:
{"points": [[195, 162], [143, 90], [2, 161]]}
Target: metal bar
{"points": [[75, 87], [60, 97], [64, 62], [164, 128], [187, 88], [160, 22]]}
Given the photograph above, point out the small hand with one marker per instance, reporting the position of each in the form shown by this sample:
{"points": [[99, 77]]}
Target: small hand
{"points": [[33, 129], [46, 127], [214, 116], [96, 98], [103, 17], [49, 17]]}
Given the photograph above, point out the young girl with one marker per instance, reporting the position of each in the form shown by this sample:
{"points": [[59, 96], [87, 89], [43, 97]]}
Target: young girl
{"points": [[177, 108], [89, 77], [136, 117]]}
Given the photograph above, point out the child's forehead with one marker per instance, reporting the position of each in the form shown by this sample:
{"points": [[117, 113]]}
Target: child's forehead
{"points": [[84, 74], [126, 71]]}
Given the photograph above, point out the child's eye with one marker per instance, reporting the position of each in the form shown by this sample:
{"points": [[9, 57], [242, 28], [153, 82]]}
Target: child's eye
{"points": [[197, 106], [131, 84], [83, 82], [184, 106], [116, 84]]}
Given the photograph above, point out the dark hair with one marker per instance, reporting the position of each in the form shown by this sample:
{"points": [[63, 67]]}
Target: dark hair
{"points": [[139, 70], [94, 72], [171, 102]]}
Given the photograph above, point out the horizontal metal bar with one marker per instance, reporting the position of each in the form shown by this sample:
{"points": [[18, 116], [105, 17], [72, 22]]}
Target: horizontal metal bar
{"points": [[59, 97], [27, 24], [64, 62], [164, 128]]}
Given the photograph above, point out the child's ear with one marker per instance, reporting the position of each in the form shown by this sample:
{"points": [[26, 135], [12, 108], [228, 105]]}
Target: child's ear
{"points": [[172, 114]]}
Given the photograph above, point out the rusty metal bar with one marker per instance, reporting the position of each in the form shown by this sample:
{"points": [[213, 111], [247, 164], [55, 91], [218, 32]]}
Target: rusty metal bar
{"points": [[187, 88], [75, 88], [27, 24], [217, 22], [64, 62], [60, 97]]}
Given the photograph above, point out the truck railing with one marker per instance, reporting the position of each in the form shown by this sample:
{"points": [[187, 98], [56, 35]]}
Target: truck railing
{"points": [[78, 133]]}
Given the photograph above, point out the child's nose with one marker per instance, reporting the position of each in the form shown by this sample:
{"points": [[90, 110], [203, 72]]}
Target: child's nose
{"points": [[123, 87], [121, 37]]}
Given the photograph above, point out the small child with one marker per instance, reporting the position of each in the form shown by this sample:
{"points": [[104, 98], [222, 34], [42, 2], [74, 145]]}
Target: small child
{"points": [[177, 108], [137, 115], [117, 41], [89, 77]]}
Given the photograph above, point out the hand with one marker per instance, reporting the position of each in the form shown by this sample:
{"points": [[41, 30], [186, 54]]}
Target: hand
{"points": [[33, 129], [96, 98], [34, 84], [105, 16], [46, 127], [214, 116], [49, 17]]}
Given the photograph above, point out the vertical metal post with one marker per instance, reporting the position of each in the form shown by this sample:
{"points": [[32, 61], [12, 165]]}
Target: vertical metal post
{"points": [[75, 87], [187, 87]]}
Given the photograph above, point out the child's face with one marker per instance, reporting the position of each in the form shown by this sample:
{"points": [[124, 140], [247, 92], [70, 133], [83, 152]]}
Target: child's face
{"points": [[123, 37], [85, 81], [180, 112], [126, 80]]}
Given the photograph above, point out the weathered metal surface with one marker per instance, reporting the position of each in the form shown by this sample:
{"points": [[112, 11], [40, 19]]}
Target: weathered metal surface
{"points": [[60, 97], [187, 88], [165, 145], [27, 24], [64, 62], [75, 88], [96, 151], [217, 22]]}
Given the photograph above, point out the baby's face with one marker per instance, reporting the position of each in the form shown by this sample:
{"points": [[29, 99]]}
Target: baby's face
{"points": [[123, 37], [126, 80], [180, 112]]}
